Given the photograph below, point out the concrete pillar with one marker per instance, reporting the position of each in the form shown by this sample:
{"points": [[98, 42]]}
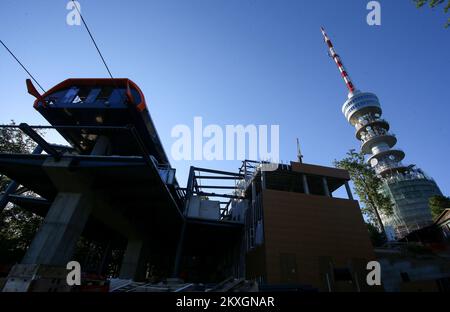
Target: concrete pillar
{"points": [[133, 263], [325, 187], [56, 239], [305, 184], [54, 243], [349, 191]]}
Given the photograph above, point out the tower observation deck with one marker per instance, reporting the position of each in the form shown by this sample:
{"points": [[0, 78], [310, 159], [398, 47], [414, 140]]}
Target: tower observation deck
{"points": [[407, 186]]}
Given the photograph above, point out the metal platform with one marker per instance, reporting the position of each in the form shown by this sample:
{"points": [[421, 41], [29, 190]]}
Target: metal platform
{"points": [[113, 180], [132, 187]]}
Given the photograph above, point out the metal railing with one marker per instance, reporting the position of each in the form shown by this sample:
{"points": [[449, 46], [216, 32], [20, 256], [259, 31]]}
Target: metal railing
{"points": [[51, 149], [58, 151], [367, 121], [213, 184], [367, 136]]}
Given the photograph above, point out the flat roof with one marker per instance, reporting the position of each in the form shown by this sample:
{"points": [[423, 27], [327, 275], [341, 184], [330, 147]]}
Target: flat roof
{"points": [[320, 170]]}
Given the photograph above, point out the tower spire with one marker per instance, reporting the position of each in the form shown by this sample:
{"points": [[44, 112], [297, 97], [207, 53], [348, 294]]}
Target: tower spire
{"points": [[363, 111], [299, 152], [332, 52]]}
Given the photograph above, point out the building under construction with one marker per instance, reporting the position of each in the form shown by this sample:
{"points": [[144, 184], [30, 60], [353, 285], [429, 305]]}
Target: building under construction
{"points": [[114, 185], [408, 187]]}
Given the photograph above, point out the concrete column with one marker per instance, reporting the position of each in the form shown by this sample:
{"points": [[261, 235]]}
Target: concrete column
{"points": [[56, 239], [325, 187], [305, 184], [349, 191], [133, 263]]}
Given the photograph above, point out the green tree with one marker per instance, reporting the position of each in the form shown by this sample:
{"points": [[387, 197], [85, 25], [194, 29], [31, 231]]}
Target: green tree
{"points": [[13, 141], [368, 186], [17, 229], [17, 226], [433, 4], [376, 237], [437, 204]]}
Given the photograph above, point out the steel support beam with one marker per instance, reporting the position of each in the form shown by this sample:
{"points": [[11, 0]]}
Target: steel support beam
{"points": [[219, 195], [179, 252], [237, 175], [326, 189], [349, 191], [217, 177], [13, 185], [47, 147], [55, 240], [133, 263], [305, 184]]}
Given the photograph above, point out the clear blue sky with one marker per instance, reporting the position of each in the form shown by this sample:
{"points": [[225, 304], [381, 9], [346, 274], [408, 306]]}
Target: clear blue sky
{"points": [[247, 62]]}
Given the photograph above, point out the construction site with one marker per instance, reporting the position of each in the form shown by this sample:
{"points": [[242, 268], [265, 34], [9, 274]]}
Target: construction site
{"points": [[115, 186], [254, 229]]}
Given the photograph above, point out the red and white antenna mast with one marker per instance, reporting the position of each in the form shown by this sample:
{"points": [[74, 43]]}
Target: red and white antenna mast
{"points": [[363, 111], [351, 88]]}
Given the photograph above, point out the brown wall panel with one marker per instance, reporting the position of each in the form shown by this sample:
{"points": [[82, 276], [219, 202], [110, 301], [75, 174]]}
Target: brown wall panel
{"points": [[312, 227]]}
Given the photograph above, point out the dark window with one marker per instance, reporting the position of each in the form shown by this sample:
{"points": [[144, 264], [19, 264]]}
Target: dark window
{"points": [[83, 92], [315, 184], [286, 181], [117, 96], [405, 277], [70, 95], [105, 93], [136, 96], [93, 95], [288, 266], [444, 284], [56, 97], [342, 274]]}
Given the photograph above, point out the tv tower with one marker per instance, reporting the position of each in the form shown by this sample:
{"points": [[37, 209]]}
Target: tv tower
{"points": [[408, 186]]}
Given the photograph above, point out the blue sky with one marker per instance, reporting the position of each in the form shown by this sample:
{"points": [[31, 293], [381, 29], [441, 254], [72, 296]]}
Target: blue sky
{"points": [[247, 62]]}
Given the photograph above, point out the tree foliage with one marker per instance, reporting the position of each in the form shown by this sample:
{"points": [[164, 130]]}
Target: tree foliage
{"points": [[437, 204], [17, 226], [13, 141], [433, 4], [367, 185], [376, 237]]}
